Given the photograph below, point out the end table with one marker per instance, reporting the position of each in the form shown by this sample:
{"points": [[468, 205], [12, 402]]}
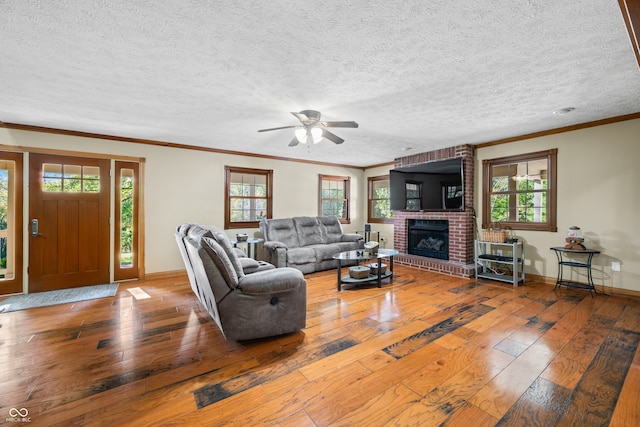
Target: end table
{"points": [[560, 251]]}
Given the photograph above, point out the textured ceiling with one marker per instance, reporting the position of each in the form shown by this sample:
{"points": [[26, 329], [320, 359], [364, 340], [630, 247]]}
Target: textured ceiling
{"points": [[412, 73]]}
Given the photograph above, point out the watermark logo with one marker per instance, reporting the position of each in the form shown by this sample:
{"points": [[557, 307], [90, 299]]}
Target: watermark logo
{"points": [[18, 416]]}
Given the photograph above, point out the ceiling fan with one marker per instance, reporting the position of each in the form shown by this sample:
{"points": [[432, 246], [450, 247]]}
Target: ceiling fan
{"points": [[311, 129]]}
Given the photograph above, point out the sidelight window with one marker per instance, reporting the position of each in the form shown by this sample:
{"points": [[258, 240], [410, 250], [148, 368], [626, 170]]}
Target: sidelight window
{"points": [[126, 254], [10, 222], [7, 217]]}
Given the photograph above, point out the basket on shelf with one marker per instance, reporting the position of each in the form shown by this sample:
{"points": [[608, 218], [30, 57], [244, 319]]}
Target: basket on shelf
{"points": [[496, 235], [359, 272], [374, 268], [371, 247]]}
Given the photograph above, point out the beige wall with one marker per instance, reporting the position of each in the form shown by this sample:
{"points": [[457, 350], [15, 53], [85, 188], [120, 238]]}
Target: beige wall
{"points": [[598, 190], [386, 230], [187, 185], [598, 176]]}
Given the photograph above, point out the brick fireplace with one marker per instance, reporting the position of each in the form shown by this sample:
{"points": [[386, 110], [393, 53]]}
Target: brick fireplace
{"points": [[460, 223]]}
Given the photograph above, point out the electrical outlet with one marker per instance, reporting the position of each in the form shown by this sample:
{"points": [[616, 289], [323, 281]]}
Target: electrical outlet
{"points": [[499, 252], [615, 266]]}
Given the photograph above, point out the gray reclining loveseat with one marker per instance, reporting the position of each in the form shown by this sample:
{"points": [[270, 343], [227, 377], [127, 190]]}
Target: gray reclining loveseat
{"points": [[267, 302]]}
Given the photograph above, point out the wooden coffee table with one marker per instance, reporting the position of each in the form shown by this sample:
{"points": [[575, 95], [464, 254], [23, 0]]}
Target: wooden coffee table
{"points": [[361, 255]]}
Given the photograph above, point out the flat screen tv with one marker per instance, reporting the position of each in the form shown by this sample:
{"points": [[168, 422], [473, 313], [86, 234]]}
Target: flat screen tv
{"points": [[435, 185]]}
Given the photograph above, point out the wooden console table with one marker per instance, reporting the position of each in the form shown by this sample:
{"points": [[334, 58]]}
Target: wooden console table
{"points": [[559, 251]]}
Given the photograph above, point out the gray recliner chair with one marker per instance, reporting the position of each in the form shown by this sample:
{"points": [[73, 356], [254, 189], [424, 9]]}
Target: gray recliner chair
{"points": [[264, 303]]}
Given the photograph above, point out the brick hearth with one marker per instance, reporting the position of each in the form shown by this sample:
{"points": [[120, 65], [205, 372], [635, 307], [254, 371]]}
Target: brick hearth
{"points": [[461, 223]]}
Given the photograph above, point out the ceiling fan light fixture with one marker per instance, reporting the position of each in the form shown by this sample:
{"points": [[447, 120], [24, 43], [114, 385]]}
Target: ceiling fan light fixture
{"points": [[301, 135], [316, 134]]}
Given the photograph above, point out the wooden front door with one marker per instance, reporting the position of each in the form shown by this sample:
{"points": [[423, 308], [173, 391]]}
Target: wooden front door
{"points": [[68, 222]]}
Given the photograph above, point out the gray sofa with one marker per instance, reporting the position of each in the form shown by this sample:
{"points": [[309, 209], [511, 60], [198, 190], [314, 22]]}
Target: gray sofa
{"points": [[267, 302], [306, 243]]}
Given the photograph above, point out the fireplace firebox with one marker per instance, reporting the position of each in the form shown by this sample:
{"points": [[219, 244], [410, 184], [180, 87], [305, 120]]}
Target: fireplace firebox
{"points": [[428, 238]]}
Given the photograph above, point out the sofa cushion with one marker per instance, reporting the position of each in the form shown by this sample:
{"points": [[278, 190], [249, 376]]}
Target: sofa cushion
{"points": [[250, 265], [325, 252], [197, 232], [347, 246], [281, 230], [222, 239], [221, 260], [330, 228], [301, 256], [308, 230], [271, 282], [239, 252]]}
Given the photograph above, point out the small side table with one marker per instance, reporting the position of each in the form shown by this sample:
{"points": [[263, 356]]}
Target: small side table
{"points": [[367, 235], [562, 263], [252, 246]]}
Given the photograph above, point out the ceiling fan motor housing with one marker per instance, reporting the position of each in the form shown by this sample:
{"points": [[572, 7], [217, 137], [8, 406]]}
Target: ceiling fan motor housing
{"points": [[312, 115]]}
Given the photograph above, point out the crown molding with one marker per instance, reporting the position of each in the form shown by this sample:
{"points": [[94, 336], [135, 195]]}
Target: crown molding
{"points": [[563, 129], [32, 128]]}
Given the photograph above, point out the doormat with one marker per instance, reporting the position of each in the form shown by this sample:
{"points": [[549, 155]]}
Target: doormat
{"points": [[63, 296]]}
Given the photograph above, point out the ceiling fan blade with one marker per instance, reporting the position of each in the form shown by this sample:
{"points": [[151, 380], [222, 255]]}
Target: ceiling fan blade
{"points": [[294, 142], [341, 124], [281, 127], [332, 137], [301, 116]]}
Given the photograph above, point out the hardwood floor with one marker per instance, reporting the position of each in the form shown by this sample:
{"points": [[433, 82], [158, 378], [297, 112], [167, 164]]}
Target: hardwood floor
{"points": [[426, 350]]}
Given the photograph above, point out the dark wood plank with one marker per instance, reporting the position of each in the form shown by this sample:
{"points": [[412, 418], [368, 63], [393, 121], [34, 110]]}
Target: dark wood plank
{"points": [[596, 395], [543, 404]]}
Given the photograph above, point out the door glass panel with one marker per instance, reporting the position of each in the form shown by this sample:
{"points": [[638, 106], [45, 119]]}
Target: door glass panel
{"points": [[70, 178], [52, 177], [90, 179], [126, 218], [7, 218]]}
